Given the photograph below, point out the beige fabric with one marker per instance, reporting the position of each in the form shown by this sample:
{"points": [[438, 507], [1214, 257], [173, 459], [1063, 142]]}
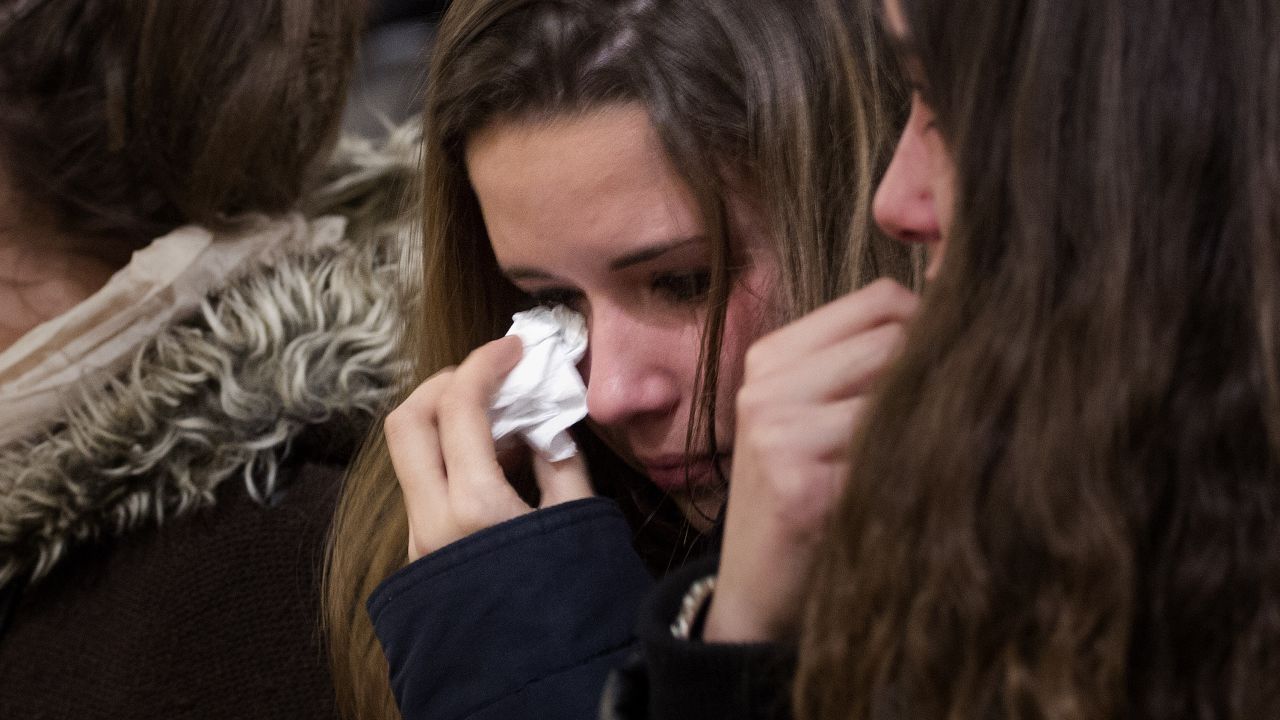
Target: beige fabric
{"points": [[164, 281]]}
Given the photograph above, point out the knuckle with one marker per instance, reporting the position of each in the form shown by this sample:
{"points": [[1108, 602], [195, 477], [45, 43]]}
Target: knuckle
{"points": [[397, 423], [769, 430], [887, 292], [878, 289], [758, 357], [431, 387], [882, 291], [423, 398], [451, 399], [749, 402], [442, 375], [893, 337], [469, 512]]}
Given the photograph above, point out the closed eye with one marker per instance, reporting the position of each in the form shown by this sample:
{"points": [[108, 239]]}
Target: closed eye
{"points": [[683, 288], [551, 297]]}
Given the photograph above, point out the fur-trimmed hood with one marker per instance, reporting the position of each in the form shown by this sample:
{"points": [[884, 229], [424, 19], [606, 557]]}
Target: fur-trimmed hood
{"points": [[306, 343]]}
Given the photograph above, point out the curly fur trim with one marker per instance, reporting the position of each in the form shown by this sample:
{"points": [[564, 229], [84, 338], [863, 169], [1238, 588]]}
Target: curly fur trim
{"points": [[309, 341]]}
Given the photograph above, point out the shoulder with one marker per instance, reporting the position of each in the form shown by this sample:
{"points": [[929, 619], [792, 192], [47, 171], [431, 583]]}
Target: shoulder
{"points": [[523, 620]]}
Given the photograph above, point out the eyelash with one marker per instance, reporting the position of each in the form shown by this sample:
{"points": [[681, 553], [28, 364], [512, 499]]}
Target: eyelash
{"points": [[556, 296], [677, 288], [683, 288]]}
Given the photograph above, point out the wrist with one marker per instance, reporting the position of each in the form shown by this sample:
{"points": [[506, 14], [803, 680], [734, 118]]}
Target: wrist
{"points": [[732, 622]]}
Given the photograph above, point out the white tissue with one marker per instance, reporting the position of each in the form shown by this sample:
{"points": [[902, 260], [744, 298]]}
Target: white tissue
{"points": [[544, 395]]}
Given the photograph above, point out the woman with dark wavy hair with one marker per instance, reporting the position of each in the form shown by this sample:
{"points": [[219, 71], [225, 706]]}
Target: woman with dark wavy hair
{"points": [[1068, 505], [1066, 500]]}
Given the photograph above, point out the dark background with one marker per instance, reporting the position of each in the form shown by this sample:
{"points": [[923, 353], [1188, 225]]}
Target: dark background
{"points": [[388, 85]]}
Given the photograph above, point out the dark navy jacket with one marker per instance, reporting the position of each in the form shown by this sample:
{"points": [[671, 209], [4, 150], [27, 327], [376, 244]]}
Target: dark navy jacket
{"points": [[523, 620]]}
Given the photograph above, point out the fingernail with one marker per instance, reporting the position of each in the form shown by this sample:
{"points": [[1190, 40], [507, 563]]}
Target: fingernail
{"points": [[512, 346]]}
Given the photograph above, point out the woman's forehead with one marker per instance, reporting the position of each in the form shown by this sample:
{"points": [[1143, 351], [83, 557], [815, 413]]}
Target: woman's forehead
{"points": [[594, 184]]}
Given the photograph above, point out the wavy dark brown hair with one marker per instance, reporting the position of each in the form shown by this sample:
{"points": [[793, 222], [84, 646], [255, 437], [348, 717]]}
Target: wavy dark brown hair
{"points": [[127, 118], [1067, 501], [744, 101]]}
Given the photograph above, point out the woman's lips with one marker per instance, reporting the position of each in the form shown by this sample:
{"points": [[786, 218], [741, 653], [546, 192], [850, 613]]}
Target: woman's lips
{"points": [[680, 474]]}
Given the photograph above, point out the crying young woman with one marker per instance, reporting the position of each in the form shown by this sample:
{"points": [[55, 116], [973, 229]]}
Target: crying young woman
{"points": [[686, 176]]}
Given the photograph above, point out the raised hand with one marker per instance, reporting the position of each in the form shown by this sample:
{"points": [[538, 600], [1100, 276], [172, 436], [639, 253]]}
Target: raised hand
{"points": [[804, 392], [444, 456]]}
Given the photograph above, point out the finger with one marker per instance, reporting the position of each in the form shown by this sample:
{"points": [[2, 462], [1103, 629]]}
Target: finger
{"points": [[881, 302], [829, 430], [466, 437], [413, 443], [843, 370], [853, 366], [562, 481]]}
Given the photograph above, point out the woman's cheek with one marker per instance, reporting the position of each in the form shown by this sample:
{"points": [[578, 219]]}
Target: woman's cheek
{"points": [[745, 322]]}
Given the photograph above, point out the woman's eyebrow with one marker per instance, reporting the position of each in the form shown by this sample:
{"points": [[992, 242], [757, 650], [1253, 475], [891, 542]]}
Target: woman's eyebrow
{"points": [[519, 272], [639, 256], [652, 252]]}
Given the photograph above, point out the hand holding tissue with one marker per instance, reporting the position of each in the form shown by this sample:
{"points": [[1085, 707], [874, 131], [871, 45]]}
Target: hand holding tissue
{"points": [[544, 395]]}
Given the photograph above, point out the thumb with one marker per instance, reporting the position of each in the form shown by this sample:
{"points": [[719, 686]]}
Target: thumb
{"points": [[563, 481]]}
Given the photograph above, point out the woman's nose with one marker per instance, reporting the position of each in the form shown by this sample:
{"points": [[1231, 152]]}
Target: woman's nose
{"points": [[628, 370], [904, 204]]}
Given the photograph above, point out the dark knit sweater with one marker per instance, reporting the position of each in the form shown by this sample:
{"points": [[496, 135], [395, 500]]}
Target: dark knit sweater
{"points": [[212, 615]]}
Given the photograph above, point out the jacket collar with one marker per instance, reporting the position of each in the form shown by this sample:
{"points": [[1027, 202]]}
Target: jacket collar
{"points": [[303, 342]]}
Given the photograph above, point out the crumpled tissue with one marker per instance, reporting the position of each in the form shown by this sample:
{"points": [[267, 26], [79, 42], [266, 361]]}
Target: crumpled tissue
{"points": [[544, 395]]}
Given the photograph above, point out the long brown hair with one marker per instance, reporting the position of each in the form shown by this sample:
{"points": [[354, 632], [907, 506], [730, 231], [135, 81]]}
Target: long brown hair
{"points": [[735, 90], [1066, 500], [123, 119]]}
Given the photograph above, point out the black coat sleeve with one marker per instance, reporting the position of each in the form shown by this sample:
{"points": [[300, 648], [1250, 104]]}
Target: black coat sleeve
{"points": [[670, 679], [523, 620]]}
